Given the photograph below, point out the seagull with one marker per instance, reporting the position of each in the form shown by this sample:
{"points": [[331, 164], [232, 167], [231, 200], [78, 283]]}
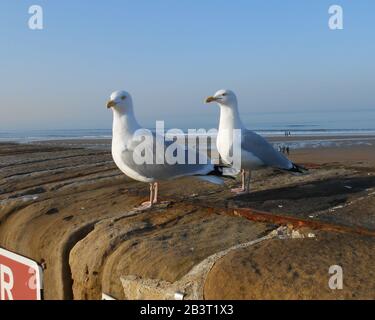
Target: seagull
{"points": [[126, 147], [256, 152]]}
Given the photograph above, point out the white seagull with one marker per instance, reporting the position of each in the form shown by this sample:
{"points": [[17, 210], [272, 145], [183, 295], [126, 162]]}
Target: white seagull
{"points": [[256, 152], [126, 149]]}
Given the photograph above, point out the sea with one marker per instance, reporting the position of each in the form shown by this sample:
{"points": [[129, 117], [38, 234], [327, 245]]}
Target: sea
{"points": [[333, 126]]}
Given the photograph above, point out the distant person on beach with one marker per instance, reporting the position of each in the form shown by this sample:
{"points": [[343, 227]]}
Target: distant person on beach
{"points": [[287, 150]]}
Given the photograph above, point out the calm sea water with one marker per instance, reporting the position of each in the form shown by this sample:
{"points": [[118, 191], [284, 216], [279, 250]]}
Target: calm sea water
{"points": [[268, 124]]}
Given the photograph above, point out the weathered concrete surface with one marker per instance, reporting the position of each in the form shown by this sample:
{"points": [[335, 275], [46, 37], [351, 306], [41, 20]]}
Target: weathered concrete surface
{"points": [[296, 269], [160, 244], [73, 210], [45, 210], [190, 286]]}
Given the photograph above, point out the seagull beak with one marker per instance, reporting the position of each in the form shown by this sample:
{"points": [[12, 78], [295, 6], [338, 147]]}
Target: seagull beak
{"points": [[210, 99], [110, 104]]}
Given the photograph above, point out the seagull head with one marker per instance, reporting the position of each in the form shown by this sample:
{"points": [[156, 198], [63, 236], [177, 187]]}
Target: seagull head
{"points": [[120, 101], [223, 98]]}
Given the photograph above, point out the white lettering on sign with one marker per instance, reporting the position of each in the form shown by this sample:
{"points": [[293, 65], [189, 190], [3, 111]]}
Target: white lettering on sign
{"points": [[20, 277], [6, 283]]}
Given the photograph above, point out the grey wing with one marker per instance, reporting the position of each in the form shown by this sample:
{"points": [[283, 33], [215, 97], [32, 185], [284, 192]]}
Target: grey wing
{"points": [[263, 150], [157, 167]]}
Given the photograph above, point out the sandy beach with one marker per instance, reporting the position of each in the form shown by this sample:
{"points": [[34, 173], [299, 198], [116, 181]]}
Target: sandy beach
{"points": [[65, 204]]}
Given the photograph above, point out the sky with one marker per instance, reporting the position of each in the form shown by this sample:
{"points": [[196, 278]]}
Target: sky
{"points": [[278, 56]]}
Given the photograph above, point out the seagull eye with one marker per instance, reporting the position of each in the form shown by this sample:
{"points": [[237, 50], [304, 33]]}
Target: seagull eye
{"points": [[224, 94], [123, 98]]}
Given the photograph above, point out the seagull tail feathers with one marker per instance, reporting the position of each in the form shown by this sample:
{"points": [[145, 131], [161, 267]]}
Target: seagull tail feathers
{"points": [[297, 169], [224, 172], [218, 174]]}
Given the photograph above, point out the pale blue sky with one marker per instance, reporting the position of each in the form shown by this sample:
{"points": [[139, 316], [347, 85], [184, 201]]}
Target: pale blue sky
{"points": [[278, 56]]}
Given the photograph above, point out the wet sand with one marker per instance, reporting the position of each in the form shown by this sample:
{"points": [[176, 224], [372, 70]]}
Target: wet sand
{"points": [[64, 203]]}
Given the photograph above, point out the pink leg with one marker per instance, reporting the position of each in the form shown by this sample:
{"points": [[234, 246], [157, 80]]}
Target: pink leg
{"points": [[241, 190], [156, 188], [148, 204]]}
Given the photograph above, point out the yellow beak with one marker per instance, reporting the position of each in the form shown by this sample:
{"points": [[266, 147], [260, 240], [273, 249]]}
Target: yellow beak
{"points": [[110, 104], [210, 99]]}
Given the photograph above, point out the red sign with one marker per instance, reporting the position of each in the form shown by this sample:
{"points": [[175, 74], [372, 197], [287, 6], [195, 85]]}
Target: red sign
{"points": [[20, 278]]}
